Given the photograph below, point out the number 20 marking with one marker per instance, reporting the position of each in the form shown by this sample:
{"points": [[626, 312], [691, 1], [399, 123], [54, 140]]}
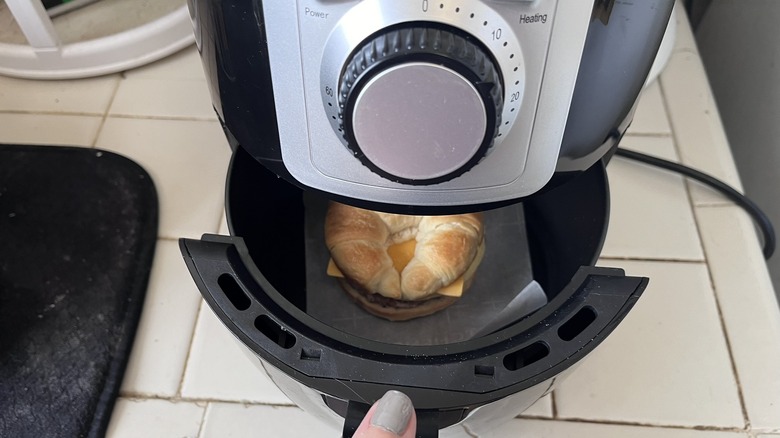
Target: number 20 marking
{"points": [[515, 97]]}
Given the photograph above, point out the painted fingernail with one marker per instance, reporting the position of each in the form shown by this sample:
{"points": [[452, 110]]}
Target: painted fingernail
{"points": [[393, 412]]}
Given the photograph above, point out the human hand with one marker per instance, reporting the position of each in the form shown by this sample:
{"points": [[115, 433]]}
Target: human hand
{"points": [[392, 416]]}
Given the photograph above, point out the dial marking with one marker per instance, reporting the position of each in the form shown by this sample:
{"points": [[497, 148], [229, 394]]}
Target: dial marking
{"points": [[478, 20]]}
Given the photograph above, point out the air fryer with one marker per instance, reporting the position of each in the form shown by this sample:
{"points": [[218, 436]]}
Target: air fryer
{"points": [[308, 94]]}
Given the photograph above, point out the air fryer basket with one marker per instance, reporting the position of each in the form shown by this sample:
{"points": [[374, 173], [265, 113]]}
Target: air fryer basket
{"points": [[255, 284]]}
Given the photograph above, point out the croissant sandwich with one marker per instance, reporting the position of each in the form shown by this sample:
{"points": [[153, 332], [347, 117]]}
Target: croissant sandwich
{"points": [[367, 248]]}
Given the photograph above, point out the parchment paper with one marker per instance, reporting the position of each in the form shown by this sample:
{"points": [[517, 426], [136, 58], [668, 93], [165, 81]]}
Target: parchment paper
{"points": [[504, 273]]}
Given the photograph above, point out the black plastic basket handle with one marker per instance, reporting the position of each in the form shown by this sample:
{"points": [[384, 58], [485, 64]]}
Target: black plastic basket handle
{"points": [[427, 421]]}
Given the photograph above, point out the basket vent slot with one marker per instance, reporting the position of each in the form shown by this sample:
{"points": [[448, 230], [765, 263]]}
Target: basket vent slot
{"points": [[233, 292], [484, 370], [273, 331], [577, 323], [526, 356]]}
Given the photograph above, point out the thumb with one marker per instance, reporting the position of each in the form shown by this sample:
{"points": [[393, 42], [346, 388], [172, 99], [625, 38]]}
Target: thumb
{"points": [[392, 416]]}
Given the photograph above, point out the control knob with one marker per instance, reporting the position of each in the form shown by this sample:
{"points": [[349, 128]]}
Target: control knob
{"points": [[420, 104]]}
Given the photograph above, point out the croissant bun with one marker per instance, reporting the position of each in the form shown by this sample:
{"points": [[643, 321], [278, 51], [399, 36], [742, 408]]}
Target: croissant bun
{"points": [[446, 247], [358, 240]]}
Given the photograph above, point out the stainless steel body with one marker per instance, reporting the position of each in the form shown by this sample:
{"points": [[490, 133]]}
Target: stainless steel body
{"points": [[503, 101]]}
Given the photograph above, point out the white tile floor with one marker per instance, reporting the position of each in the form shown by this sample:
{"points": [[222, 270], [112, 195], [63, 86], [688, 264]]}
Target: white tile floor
{"points": [[576, 429], [654, 201], [163, 339], [235, 420], [696, 122], [697, 358], [86, 96], [660, 380], [155, 418], [739, 280], [187, 160], [219, 367]]}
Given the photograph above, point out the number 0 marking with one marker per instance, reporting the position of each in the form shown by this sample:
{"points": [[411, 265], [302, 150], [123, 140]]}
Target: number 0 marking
{"points": [[425, 5]]}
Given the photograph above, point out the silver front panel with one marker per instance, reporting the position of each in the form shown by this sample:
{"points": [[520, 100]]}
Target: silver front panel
{"points": [[537, 46]]}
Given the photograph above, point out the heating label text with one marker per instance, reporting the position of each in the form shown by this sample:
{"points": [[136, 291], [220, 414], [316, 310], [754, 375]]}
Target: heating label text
{"points": [[535, 18]]}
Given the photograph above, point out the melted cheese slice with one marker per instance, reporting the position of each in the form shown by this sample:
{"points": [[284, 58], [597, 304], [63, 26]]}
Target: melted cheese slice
{"points": [[401, 254]]}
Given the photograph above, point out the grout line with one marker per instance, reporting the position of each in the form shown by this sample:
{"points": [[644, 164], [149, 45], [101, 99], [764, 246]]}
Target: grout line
{"points": [[105, 113], [651, 259], [554, 405], [688, 50], [176, 239], [688, 188], [640, 424], [50, 113], [155, 117], [189, 350], [468, 431], [723, 199], [203, 420], [536, 417], [222, 218], [672, 123], [630, 134], [716, 204], [215, 231], [175, 399]]}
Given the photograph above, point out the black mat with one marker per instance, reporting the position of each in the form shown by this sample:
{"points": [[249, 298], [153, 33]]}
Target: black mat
{"points": [[77, 235]]}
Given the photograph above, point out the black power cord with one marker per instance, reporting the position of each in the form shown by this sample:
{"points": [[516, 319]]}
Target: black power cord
{"points": [[760, 218]]}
